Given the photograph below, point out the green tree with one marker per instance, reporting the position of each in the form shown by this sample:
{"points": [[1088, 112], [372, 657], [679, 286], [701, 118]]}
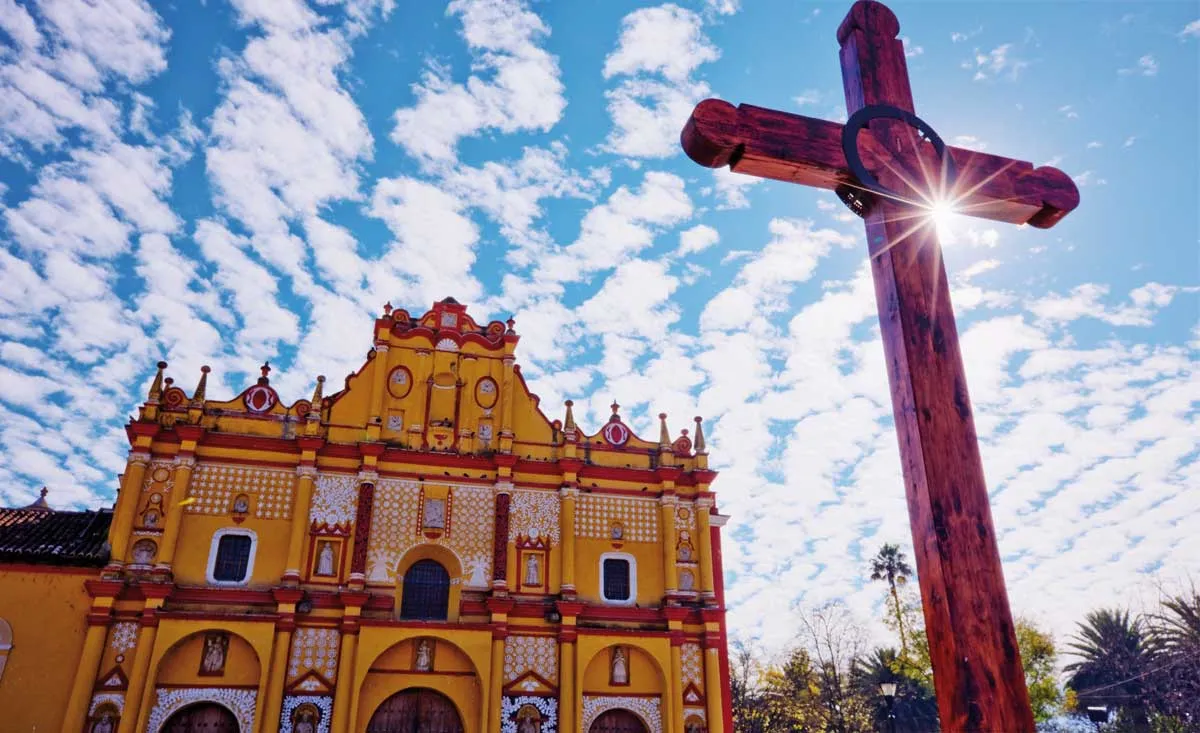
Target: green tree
{"points": [[1113, 664], [914, 706], [1174, 640], [890, 565], [1038, 660]]}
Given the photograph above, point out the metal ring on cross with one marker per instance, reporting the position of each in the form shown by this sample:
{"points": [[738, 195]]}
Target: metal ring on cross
{"points": [[859, 120]]}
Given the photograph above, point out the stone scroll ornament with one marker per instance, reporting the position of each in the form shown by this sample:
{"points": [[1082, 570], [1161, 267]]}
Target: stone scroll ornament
{"points": [[892, 169]]}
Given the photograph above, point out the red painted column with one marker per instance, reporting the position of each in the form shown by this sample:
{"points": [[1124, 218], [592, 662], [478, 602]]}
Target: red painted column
{"points": [[719, 591]]}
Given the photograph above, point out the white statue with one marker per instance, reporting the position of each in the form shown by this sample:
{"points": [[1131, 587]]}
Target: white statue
{"points": [[529, 720], [143, 552], [104, 724], [533, 571], [214, 654], [686, 580], [241, 505], [424, 661], [620, 669], [325, 559]]}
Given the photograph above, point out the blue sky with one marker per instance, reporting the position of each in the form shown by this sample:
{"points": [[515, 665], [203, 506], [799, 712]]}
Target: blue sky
{"points": [[222, 183]]}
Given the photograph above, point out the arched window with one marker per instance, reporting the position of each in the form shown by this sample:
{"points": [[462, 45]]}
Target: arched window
{"points": [[231, 556], [426, 591]]}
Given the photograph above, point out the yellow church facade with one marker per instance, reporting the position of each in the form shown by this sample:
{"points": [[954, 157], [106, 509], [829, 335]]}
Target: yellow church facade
{"points": [[423, 550]]}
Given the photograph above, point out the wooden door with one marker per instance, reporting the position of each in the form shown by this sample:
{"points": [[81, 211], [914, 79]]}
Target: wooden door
{"points": [[618, 721], [416, 711], [205, 717]]}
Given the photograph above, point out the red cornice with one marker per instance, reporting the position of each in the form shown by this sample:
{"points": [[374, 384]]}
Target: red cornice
{"points": [[371, 449], [133, 429], [190, 432]]}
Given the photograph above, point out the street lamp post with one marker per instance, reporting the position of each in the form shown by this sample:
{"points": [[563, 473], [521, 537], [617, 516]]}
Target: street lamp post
{"points": [[889, 695]]}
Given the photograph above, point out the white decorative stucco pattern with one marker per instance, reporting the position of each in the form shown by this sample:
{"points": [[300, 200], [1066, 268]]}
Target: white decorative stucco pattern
{"points": [[335, 499], [122, 637], [649, 709], [315, 649], [214, 486], [595, 515], [693, 665], [239, 701], [546, 706], [534, 514], [115, 698], [394, 530], [537, 654]]}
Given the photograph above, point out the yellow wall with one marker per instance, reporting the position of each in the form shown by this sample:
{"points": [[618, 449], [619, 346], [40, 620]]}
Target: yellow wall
{"points": [[645, 674], [195, 543], [181, 665], [47, 611]]}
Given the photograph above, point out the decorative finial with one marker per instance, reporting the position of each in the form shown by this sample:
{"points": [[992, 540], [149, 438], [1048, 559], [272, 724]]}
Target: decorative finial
{"points": [[168, 382], [387, 308], [615, 407], [201, 387], [569, 423], [664, 435], [314, 410], [698, 443], [40, 502], [512, 322], [156, 387], [265, 369]]}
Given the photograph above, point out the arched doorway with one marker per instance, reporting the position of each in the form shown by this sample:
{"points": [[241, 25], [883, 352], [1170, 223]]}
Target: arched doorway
{"points": [[416, 711], [205, 717], [618, 721]]}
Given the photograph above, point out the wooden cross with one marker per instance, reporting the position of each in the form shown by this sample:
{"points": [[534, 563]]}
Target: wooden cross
{"points": [[977, 668]]}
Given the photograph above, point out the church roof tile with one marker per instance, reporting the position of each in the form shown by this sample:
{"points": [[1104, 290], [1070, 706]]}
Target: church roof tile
{"points": [[54, 538]]}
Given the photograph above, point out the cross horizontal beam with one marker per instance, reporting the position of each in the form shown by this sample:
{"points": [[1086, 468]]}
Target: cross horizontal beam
{"points": [[787, 147]]}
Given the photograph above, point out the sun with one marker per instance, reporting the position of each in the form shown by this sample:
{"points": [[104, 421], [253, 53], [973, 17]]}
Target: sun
{"points": [[943, 215]]}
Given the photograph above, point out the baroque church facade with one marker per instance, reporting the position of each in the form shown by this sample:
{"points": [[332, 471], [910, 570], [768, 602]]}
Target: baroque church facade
{"points": [[422, 551]]}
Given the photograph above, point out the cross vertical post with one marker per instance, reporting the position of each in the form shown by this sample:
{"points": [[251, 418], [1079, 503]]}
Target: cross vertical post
{"points": [[977, 669]]}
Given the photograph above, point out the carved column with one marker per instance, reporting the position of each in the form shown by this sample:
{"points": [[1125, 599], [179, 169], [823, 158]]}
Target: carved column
{"points": [[675, 710], [306, 476], [378, 384], [496, 681], [127, 499], [362, 525], [568, 697], [139, 696], [506, 409], [670, 579], [704, 541], [500, 538], [343, 692], [271, 699], [712, 684], [184, 464], [566, 518], [93, 649]]}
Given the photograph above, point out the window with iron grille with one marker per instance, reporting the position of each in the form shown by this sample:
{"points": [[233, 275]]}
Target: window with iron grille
{"points": [[426, 592], [233, 558], [616, 579]]}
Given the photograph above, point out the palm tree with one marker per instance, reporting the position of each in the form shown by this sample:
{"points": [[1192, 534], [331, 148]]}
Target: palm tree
{"points": [[1113, 660], [891, 565], [1174, 640], [914, 706]]}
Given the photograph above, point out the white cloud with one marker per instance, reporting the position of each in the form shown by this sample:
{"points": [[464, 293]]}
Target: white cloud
{"points": [[1146, 66], [1000, 61], [666, 41], [696, 239], [1069, 112], [1093, 144], [1192, 29], [911, 50], [807, 97], [522, 90]]}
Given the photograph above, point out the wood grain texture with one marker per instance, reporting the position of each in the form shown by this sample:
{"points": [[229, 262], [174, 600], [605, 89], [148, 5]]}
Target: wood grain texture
{"points": [[977, 668]]}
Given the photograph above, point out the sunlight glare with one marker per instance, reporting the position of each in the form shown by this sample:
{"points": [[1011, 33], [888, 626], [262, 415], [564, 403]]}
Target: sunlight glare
{"points": [[942, 214]]}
